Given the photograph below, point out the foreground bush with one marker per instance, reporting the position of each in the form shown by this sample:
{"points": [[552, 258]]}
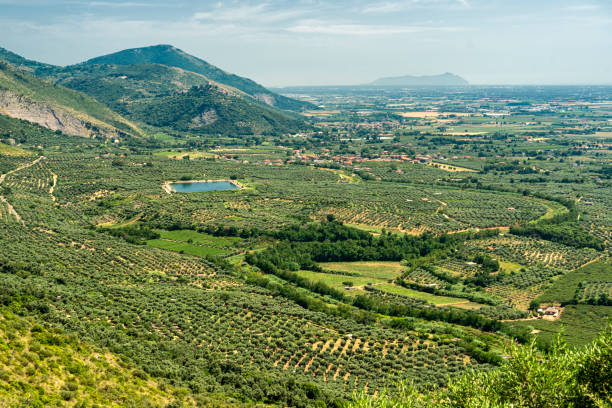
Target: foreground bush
{"points": [[529, 379]]}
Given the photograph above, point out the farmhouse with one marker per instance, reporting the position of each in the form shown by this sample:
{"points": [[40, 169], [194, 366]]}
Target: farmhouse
{"points": [[550, 313]]}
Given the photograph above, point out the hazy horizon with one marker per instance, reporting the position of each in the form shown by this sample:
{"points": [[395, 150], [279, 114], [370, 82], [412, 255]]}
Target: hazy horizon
{"points": [[319, 43]]}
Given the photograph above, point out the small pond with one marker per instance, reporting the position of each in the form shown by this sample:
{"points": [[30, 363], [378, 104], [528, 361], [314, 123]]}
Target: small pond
{"points": [[197, 186]]}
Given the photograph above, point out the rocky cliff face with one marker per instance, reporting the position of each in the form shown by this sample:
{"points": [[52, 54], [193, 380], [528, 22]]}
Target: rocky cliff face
{"points": [[207, 117], [266, 98], [18, 106]]}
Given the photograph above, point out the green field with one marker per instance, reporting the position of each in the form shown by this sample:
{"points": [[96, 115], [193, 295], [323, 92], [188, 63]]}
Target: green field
{"points": [[351, 285], [184, 247], [436, 300], [375, 274], [184, 154], [8, 150], [374, 270], [194, 243], [198, 238]]}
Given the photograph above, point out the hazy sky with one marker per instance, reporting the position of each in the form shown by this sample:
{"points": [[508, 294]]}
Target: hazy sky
{"points": [[316, 42]]}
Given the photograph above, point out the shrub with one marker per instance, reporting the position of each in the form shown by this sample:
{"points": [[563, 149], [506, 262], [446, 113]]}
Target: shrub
{"points": [[528, 379]]}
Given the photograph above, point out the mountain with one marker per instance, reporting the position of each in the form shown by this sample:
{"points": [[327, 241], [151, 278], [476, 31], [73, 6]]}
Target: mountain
{"points": [[23, 63], [446, 79], [172, 98], [174, 57], [119, 85], [25, 96], [208, 109], [153, 95]]}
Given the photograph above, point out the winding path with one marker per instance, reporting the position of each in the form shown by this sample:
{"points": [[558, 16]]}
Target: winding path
{"points": [[52, 188], [11, 209]]}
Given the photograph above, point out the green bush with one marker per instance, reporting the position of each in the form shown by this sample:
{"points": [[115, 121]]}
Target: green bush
{"points": [[530, 379]]}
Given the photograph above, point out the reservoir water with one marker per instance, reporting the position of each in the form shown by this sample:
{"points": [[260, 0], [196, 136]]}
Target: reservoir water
{"points": [[198, 186]]}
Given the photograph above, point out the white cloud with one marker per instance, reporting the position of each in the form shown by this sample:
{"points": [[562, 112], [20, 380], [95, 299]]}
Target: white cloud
{"points": [[122, 4], [583, 7], [231, 14], [319, 27], [383, 8], [261, 13], [398, 6]]}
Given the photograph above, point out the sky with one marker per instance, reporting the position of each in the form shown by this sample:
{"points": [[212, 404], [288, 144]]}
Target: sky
{"points": [[318, 42]]}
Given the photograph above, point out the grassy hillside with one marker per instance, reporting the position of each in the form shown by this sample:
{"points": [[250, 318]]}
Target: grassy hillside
{"points": [[8, 150], [43, 367], [171, 56], [31, 91]]}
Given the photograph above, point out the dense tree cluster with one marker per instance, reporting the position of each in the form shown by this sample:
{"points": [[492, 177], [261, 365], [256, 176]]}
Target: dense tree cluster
{"points": [[567, 233], [302, 247]]}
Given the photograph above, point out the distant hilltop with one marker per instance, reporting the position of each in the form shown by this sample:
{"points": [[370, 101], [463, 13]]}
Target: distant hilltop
{"points": [[432, 80]]}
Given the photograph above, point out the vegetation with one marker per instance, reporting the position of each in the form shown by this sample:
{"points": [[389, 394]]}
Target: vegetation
{"points": [[374, 240], [177, 100], [559, 378], [568, 233], [97, 117], [171, 56], [46, 367], [568, 288]]}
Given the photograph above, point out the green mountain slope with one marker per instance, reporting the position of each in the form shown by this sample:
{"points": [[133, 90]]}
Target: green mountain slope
{"points": [[172, 56], [204, 109], [172, 98], [28, 97], [112, 84], [24, 63]]}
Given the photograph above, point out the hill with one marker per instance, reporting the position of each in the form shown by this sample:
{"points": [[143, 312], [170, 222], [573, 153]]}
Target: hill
{"points": [[25, 64], [44, 366], [174, 57], [25, 96], [47, 367], [446, 79], [172, 98]]}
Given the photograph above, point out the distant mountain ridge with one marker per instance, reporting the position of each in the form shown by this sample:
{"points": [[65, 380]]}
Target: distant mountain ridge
{"points": [[446, 79]]}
